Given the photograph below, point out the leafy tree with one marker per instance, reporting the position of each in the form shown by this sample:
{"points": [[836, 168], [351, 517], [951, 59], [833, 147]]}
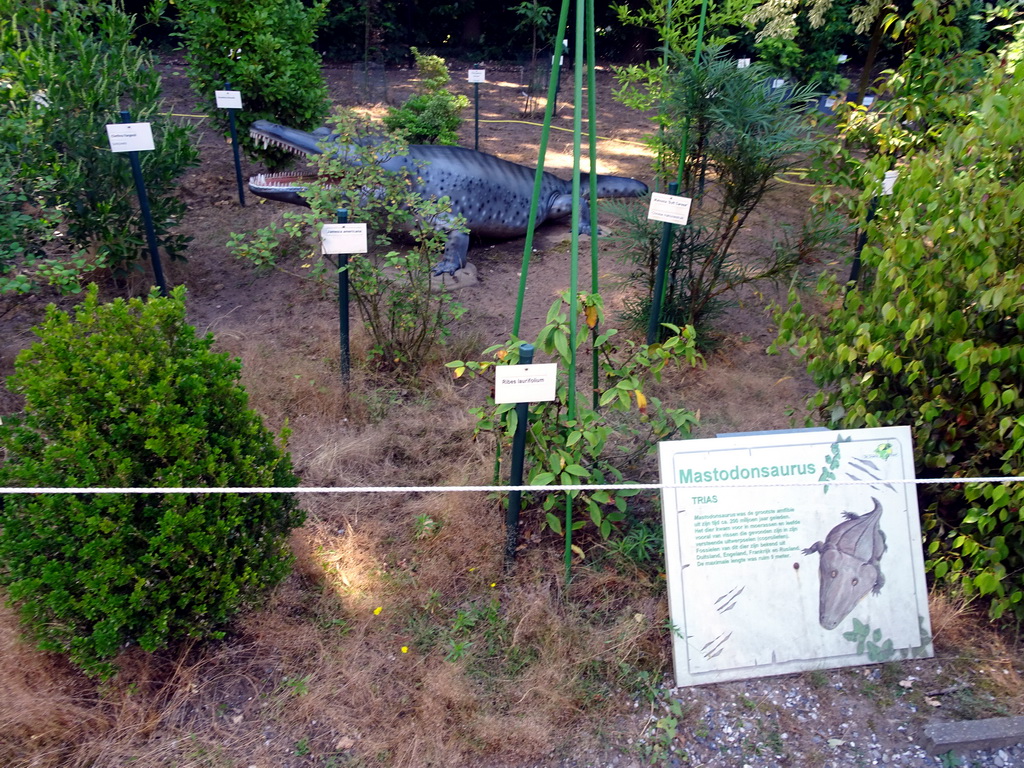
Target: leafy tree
{"points": [[126, 395], [264, 49], [67, 206], [933, 335]]}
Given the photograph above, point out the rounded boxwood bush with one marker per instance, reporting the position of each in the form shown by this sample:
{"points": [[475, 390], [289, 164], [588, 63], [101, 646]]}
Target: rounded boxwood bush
{"points": [[126, 395]]}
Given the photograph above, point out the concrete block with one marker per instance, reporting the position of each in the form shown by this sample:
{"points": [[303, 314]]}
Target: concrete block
{"points": [[968, 735]]}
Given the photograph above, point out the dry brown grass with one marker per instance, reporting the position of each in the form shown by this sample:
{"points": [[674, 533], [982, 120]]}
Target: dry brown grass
{"points": [[353, 657]]}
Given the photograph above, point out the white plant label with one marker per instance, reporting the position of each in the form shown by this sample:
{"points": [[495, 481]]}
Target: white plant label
{"points": [[229, 99], [788, 552], [672, 209], [478, 75], [742, 63], [778, 83], [343, 238], [830, 102], [888, 181], [843, 58], [534, 383], [868, 101], [130, 137]]}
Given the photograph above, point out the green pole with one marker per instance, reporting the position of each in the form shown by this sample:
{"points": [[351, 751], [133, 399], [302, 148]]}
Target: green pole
{"points": [[538, 178], [577, 132], [346, 360], [592, 126], [660, 284], [698, 49]]}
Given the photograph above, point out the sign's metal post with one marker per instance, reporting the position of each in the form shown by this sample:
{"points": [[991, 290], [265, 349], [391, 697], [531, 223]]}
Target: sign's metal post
{"points": [[346, 359], [477, 76], [147, 215], [342, 239], [658, 294], [235, 148], [516, 475], [476, 121]]}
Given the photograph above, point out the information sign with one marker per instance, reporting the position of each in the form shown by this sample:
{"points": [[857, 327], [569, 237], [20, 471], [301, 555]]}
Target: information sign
{"points": [[673, 209], [229, 99], [130, 137], [478, 75], [343, 238], [788, 552], [742, 63], [534, 383]]}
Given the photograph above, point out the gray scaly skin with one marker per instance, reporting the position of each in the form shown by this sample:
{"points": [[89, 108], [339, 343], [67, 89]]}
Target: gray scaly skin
{"points": [[848, 569], [491, 194]]}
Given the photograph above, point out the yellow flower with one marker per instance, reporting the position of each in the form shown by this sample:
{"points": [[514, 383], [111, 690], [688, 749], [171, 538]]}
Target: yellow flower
{"points": [[405, 649], [377, 610]]}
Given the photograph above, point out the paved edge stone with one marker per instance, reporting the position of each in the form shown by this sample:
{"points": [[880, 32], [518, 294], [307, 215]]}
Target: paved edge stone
{"points": [[970, 735]]}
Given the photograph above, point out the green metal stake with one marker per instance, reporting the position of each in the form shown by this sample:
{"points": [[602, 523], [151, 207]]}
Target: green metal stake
{"points": [[592, 149], [516, 474], [234, 147], [346, 360], [147, 215], [577, 131], [538, 178], [658, 294]]}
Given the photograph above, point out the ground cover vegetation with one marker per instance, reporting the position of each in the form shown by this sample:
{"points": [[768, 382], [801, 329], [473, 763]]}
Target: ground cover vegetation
{"points": [[401, 638], [66, 73]]}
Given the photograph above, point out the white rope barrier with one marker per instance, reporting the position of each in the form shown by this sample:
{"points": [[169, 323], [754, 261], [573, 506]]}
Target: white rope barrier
{"points": [[507, 488]]}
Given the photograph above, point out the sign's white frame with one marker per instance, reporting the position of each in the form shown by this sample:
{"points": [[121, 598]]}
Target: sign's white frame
{"points": [[746, 535]]}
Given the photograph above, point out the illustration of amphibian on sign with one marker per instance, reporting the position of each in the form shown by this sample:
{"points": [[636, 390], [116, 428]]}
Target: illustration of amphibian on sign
{"points": [[848, 569]]}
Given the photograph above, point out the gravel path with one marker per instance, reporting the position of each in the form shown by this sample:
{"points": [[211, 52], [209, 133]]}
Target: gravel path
{"points": [[873, 716]]}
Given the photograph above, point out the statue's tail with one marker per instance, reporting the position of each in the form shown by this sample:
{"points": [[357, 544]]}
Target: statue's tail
{"points": [[613, 186]]}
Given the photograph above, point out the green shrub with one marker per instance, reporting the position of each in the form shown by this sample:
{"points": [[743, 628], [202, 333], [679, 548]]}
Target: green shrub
{"points": [[68, 204], [433, 115], [737, 136], [572, 442], [933, 337], [264, 49], [125, 395]]}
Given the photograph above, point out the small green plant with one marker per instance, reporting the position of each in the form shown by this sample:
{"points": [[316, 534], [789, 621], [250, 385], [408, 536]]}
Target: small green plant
{"points": [[126, 395], [67, 205], [302, 747], [661, 745], [590, 447], [425, 527], [297, 686], [406, 319], [264, 48], [432, 116]]}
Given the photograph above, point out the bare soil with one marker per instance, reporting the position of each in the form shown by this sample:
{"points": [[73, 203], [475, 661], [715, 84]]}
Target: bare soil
{"points": [[339, 669]]}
